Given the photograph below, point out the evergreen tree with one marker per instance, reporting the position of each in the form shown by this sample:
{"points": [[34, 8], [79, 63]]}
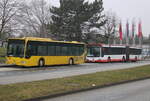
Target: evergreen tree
{"points": [[74, 19]]}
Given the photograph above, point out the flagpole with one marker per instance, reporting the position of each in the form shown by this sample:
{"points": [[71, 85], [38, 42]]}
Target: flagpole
{"points": [[133, 33], [120, 42], [120, 32], [140, 42], [140, 33], [133, 41], [127, 33]]}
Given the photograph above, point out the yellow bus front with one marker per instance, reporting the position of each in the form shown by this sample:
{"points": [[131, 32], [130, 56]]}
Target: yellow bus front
{"points": [[24, 52]]}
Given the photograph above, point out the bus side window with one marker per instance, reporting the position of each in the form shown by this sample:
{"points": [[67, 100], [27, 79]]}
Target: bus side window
{"points": [[74, 51], [17, 50], [102, 52], [51, 50], [42, 50], [64, 51], [58, 51], [81, 50], [31, 50], [70, 53]]}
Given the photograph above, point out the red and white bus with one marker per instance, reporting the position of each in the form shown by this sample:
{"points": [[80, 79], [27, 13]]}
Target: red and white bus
{"points": [[112, 53]]}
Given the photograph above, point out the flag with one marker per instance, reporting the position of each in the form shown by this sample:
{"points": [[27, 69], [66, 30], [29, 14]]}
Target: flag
{"points": [[120, 30], [140, 30], [133, 29], [127, 29], [127, 33]]}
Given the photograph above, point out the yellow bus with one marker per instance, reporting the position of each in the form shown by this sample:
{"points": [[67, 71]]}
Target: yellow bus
{"points": [[32, 51]]}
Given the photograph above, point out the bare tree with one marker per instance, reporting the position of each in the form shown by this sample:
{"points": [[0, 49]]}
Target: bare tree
{"points": [[110, 27], [8, 9], [34, 18]]}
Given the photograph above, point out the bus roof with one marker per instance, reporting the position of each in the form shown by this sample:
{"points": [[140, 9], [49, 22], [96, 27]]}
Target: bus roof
{"points": [[116, 45], [95, 44], [45, 40], [104, 45]]}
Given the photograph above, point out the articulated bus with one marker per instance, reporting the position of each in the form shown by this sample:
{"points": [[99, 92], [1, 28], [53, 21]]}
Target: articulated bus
{"points": [[112, 53], [31, 51]]}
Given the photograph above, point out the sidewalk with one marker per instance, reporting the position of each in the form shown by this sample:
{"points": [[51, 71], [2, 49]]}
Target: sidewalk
{"points": [[6, 67]]}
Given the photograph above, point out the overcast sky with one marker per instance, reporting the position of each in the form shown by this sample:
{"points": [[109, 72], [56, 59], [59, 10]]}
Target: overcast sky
{"points": [[131, 9], [128, 9]]}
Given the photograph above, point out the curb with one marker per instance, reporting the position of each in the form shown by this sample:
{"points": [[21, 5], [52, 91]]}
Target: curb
{"points": [[5, 65], [86, 89]]}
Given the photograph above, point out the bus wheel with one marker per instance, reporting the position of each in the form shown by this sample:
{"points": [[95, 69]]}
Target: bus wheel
{"points": [[71, 62], [136, 59], [109, 59], [41, 63], [123, 59]]}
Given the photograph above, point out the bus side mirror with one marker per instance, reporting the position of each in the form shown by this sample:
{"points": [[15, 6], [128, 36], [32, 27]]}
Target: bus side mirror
{"points": [[27, 56]]}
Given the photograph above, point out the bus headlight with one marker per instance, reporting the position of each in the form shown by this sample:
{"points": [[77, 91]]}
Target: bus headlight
{"points": [[23, 62]]}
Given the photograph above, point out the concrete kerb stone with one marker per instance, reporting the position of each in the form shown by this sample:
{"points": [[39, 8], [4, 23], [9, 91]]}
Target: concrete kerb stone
{"points": [[5, 65]]}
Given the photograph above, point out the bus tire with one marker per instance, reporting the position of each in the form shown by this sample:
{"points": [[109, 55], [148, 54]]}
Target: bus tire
{"points": [[123, 59], [41, 63], [71, 62], [136, 58], [109, 59]]}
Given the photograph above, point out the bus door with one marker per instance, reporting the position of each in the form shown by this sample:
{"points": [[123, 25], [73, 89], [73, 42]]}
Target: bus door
{"points": [[127, 53]]}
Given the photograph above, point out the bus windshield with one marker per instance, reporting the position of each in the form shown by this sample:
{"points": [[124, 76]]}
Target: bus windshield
{"points": [[93, 52], [15, 48]]}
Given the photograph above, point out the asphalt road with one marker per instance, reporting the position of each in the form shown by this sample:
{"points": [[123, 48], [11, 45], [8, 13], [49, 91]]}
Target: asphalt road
{"points": [[136, 91], [8, 77]]}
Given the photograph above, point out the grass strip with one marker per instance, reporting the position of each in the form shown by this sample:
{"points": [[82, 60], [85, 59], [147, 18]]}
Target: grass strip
{"points": [[24, 91], [2, 53], [2, 59]]}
